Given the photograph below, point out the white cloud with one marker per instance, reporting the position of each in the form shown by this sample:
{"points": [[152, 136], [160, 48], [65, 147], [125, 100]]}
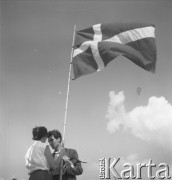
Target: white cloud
{"points": [[116, 111], [152, 123]]}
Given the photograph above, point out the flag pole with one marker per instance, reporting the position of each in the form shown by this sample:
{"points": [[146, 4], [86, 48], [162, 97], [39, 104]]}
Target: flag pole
{"points": [[68, 86], [67, 99]]}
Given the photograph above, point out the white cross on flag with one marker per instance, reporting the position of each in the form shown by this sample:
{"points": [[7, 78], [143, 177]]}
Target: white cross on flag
{"points": [[96, 46]]}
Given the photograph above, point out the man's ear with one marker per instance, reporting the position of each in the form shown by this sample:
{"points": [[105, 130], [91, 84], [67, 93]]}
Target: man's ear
{"points": [[62, 143], [60, 140]]}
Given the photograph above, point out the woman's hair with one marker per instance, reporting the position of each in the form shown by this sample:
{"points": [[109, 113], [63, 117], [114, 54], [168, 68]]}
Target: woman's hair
{"points": [[39, 132], [55, 133]]}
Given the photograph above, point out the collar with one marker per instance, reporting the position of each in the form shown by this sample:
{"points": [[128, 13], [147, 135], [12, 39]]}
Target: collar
{"points": [[56, 152]]}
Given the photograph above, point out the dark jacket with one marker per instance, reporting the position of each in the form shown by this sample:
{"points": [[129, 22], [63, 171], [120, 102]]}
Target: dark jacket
{"points": [[69, 173]]}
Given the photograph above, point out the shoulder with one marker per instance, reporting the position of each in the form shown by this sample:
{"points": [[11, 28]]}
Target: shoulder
{"points": [[70, 150], [72, 153], [41, 145]]}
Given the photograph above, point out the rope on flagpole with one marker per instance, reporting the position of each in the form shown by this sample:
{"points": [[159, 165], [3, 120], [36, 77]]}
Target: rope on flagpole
{"points": [[67, 99], [68, 86]]}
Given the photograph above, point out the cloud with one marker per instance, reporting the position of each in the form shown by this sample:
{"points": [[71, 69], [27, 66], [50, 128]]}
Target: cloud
{"points": [[116, 111], [151, 123]]}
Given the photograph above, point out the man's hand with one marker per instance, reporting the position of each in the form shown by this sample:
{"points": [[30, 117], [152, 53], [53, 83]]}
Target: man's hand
{"points": [[67, 160]]}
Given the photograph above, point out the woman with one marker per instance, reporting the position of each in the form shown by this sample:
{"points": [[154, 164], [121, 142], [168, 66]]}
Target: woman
{"points": [[38, 158]]}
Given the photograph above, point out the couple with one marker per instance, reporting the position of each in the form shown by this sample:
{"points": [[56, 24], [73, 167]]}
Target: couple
{"points": [[42, 165]]}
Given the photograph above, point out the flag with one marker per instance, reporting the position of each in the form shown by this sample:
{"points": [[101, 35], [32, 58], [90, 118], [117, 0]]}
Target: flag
{"points": [[98, 45]]}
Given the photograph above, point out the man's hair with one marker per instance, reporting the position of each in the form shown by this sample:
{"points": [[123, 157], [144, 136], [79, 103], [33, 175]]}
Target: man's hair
{"points": [[55, 133], [39, 132]]}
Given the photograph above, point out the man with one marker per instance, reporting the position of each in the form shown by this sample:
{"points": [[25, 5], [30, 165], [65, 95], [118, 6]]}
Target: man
{"points": [[66, 159]]}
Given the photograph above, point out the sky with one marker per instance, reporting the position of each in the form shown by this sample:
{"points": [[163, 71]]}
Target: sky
{"points": [[121, 112]]}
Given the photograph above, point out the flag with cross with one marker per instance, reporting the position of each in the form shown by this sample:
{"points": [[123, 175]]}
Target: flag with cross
{"points": [[96, 46]]}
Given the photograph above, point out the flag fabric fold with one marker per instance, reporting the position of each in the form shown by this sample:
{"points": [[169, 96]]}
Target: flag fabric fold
{"points": [[96, 46]]}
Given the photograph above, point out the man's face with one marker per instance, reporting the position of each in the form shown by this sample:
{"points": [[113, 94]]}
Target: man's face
{"points": [[54, 143]]}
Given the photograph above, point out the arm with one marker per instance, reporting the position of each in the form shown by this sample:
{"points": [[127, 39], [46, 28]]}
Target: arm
{"points": [[75, 167], [49, 157]]}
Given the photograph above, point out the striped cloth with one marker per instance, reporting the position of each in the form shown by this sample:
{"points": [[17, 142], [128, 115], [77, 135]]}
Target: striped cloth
{"points": [[96, 46]]}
